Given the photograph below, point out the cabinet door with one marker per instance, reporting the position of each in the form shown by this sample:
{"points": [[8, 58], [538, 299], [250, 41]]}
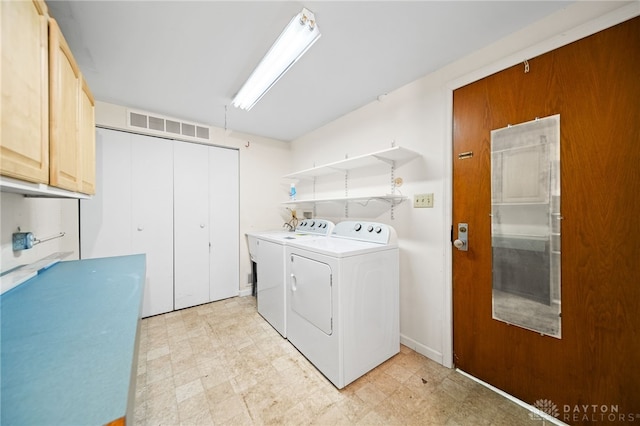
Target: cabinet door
{"points": [[105, 220], [24, 135], [152, 218], [224, 223], [87, 139], [191, 224], [64, 86]]}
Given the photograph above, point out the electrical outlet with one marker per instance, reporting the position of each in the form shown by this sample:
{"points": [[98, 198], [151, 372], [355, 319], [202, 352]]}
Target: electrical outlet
{"points": [[421, 201]]}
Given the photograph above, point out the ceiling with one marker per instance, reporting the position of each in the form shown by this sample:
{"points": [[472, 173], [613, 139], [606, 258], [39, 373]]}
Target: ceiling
{"points": [[187, 59]]}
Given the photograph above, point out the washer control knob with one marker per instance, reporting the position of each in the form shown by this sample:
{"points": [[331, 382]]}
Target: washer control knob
{"points": [[378, 230], [312, 223], [357, 227], [370, 228]]}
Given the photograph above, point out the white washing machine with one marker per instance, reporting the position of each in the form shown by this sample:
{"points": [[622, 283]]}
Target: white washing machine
{"points": [[267, 251], [343, 299]]}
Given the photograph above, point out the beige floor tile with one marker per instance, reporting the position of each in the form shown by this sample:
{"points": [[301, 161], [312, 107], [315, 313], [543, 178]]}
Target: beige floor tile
{"points": [[195, 406], [188, 390], [222, 363], [228, 408]]}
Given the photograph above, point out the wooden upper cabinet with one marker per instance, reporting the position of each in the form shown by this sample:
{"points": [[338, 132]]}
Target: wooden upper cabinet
{"points": [[24, 136], [64, 95], [87, 130]]}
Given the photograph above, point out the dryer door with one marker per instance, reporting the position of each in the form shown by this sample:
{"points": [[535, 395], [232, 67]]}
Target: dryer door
{"points": [[311, 292]]}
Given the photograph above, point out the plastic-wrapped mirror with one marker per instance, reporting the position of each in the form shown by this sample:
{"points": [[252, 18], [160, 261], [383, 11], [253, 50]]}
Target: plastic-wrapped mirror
{"points": [[525, 225]]}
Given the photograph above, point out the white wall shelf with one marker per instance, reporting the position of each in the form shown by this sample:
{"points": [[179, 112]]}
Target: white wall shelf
{"points": [[389, 198], [395, 154], [392, 157]]}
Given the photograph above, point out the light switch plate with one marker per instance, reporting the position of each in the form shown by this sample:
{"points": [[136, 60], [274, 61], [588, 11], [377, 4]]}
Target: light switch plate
{"points": [[421, 201]]}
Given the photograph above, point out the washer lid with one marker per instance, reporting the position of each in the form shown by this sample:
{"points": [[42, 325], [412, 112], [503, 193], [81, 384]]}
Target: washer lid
{"points": [[340, 247], [283, 237]]}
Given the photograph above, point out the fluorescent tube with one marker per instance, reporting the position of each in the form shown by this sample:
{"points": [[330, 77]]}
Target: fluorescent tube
{"points": [[294, 41]]}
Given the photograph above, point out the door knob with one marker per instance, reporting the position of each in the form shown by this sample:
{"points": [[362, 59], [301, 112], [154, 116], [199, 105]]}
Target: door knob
{"points": [[461, 243]]}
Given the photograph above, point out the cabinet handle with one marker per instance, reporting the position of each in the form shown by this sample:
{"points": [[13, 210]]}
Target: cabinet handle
{"points": [[140, 227], [202, 225]]}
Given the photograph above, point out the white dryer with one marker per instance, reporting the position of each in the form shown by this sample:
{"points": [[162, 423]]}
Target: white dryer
{"points": [[343, 299], [267, 251]]}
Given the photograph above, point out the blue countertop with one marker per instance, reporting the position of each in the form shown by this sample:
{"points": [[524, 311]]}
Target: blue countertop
{"points": [[69, 342]]}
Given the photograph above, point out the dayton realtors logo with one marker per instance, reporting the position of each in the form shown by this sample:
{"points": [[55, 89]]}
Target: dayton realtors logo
{"points": [[544, 408], [597, 413]]}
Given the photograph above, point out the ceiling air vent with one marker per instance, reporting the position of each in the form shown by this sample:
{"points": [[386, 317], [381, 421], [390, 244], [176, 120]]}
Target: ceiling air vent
{"points": [[156, 123], [188, 130], [165, 126], [138, 120], [173, 127], [202, 132]]}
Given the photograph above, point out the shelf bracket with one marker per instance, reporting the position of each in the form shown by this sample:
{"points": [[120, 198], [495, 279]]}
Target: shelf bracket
{"points": [[314, 195], [393, 189], [346, 193], [384, 160]]}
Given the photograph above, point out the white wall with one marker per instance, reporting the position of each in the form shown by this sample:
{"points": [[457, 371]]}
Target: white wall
{"points": [[44, 217], [418, 117]]}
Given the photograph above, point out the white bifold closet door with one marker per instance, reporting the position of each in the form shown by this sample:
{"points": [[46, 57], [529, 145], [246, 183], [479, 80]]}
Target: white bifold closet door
{"points": [[206, 257], [178, 203], [152, 220], [224, 231], [132, 211], [191, 224]]}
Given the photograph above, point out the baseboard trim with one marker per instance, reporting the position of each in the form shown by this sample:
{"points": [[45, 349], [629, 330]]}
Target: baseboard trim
{"points": [[421, 349], [535, 412]]}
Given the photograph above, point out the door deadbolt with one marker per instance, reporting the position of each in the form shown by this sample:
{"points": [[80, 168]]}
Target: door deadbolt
{"points": [[461, 243]]}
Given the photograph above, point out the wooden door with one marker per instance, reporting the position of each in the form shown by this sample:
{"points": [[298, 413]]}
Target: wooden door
{"points": [[224, 229], [24, 135], [152, 218], [64, 95], [191, 224], [591, 371]]}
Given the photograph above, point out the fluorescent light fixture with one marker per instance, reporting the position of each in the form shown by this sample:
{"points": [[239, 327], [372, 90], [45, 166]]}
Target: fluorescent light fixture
{"points": [[294, 41]]}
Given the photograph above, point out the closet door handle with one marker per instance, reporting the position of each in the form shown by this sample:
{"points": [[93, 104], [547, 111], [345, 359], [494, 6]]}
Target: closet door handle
{"points": [[293, 282]]}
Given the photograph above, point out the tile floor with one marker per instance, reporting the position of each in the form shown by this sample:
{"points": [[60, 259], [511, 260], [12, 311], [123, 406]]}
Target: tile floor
{"points": [[221, 363]]}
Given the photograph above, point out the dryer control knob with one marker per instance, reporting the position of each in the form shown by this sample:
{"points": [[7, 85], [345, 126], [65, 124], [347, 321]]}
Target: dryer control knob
{"points": [[370, 228], [357, 227], [378, 230]]}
